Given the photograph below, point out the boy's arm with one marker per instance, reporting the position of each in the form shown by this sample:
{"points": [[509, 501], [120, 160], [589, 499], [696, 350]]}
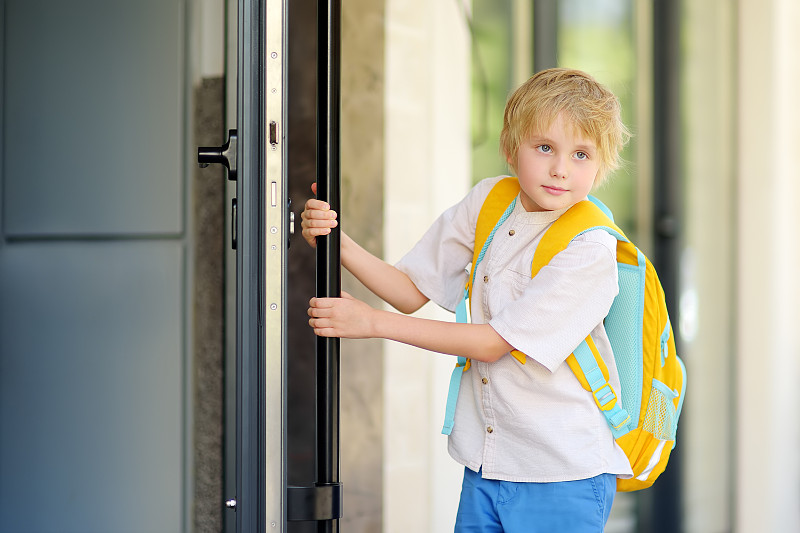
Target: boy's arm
{"points": [[567, 299], [350, 318], [387, 282], [384, 280]]}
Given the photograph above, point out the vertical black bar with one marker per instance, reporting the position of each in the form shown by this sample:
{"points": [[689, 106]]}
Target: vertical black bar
{"points": [[664, 498], [545, 34], [328, 257]]}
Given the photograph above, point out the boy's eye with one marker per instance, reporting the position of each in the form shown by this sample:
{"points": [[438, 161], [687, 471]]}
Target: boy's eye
{"points": [[545, 148], [581, 156]]}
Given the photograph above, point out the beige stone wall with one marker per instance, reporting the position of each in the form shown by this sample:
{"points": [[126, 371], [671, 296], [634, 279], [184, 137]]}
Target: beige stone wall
{"points": [[208, 238], [427, 170], [207, 317], [362, 208], [405, 158]]}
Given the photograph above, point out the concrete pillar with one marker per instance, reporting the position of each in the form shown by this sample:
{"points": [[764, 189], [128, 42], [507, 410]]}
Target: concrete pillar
{"points": [[427, 169], [768, 352]]}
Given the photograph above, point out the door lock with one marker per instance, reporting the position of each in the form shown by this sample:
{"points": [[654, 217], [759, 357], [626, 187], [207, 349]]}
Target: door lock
{"points": [[225, 155]]}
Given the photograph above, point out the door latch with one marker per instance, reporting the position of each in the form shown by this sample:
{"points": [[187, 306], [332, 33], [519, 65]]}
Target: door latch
{"points": [[225, 155]]}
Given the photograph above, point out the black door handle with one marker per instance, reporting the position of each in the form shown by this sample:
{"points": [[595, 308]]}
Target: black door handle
{"points": [[225, 155]]}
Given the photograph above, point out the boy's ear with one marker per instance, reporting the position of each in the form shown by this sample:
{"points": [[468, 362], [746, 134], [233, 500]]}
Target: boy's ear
{"points": [[509, 160]]}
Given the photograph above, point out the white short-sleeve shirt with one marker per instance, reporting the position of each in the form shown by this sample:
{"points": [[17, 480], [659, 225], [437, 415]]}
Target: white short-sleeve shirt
{"points": [[531, 422]]}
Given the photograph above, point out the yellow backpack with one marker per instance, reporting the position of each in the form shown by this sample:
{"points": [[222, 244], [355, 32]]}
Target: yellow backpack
{"points": [[652, 376]]}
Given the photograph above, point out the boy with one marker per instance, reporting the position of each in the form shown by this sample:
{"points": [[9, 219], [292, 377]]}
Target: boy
{"points": [[538, 453]]}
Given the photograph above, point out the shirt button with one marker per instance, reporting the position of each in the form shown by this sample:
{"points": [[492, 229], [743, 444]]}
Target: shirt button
{"points": [[486, 279], [511, 232], [485, 381], [490, 429]]}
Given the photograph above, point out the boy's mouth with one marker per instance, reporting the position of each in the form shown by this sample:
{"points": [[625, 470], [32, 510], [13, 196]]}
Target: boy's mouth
{"points": [[554, 190]]}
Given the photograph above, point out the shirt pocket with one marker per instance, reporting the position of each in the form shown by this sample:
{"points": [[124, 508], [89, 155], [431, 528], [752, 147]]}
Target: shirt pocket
{"points": [[509, 285], [518, 281]]}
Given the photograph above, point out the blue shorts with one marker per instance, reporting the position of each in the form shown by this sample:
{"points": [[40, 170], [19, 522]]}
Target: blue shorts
{"points": [[489, 505]]}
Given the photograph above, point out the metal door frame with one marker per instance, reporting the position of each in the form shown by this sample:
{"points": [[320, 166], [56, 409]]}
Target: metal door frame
{"points": [[262, 231]]}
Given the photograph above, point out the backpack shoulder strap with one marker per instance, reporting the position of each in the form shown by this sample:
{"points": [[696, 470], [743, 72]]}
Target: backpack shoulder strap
{"points": [[580, 218], [491, 215], [586, 362]]}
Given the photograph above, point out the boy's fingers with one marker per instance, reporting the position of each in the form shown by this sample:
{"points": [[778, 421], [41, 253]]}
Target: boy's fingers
{"points": [[324, 332], [316, 232], [321, 303], [320, 223], [317, 327], [317, 314], [317, 205], [319, 218], [317, 223]]}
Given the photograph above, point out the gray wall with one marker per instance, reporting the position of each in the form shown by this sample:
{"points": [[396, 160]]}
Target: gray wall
{"points": [[110, 257]]}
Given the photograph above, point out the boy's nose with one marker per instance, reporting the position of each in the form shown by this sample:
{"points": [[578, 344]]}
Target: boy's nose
{"points": [[559, 168]]}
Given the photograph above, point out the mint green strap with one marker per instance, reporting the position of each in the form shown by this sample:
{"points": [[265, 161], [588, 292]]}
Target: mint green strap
{"points": [[462, 318], [617, 417], [458, 372]]}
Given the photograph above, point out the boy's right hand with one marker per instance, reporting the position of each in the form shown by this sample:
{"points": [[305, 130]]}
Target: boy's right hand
{"points": [[317, 219]]}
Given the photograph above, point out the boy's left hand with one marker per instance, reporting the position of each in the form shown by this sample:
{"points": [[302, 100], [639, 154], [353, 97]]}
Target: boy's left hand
{"points": [[344, 317], [317, 219]]}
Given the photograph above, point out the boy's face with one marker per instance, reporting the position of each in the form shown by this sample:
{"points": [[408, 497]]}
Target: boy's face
{"points": [[556, 168]]}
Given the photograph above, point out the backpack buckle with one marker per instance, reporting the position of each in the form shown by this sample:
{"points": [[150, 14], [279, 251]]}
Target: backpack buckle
{"points": [[604, 397], [619, 419]]}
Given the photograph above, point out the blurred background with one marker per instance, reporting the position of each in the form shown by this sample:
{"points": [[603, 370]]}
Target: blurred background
{"points": [[117, 390]]}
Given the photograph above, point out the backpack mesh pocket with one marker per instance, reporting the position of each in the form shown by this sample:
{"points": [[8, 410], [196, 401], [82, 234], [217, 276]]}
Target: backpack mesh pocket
{"points": [[661, 417], [624, 329]]}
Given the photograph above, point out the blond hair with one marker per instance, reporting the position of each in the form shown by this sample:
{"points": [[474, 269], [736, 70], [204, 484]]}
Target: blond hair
{"points": [[588, 106]]}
